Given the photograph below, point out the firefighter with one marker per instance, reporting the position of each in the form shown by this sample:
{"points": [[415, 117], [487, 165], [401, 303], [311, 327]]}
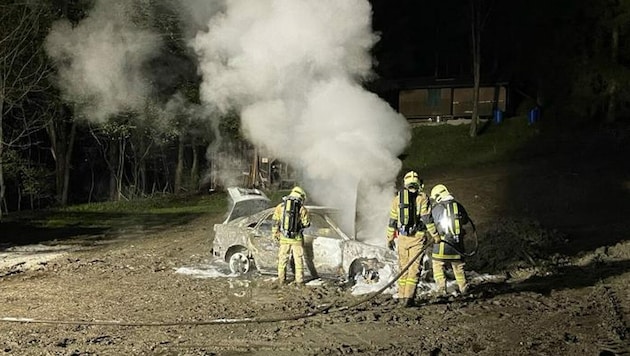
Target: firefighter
{"points": [[291, 218], [448, 248], [409, 222]]}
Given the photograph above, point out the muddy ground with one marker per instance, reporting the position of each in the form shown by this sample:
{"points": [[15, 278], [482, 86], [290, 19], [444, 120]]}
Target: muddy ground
{"points": [[560, 250]]}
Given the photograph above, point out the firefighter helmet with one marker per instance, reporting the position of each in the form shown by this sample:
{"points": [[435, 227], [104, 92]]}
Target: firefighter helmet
{"points": [[439, 193], [412, 181], [298, 193]]}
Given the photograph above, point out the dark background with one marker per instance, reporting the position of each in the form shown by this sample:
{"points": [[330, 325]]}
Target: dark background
{"points": [[568, 57], [557, 53]]}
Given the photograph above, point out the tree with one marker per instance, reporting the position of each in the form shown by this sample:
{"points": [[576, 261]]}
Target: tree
{"points": [[479, 11], [617, 25], [62, 125], [61, 129], [23, 72]]}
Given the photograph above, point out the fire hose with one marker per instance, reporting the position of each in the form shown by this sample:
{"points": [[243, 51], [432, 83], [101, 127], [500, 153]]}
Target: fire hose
{"points": [[461, 253], [325, 309], [456, 248]]}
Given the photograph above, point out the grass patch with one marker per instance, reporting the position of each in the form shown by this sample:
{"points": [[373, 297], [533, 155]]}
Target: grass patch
{"points": [[167, 204], [451, 146], [101, 218]]}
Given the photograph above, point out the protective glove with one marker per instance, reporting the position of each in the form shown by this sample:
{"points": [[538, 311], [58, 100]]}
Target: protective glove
{"points": [[437, 239], [391, 244]]}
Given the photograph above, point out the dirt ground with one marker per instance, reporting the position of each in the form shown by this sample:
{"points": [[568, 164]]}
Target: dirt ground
{"points": [[562, 253]]}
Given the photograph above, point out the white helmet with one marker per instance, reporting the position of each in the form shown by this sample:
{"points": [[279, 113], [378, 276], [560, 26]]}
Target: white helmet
{"points": [[440, 193]]}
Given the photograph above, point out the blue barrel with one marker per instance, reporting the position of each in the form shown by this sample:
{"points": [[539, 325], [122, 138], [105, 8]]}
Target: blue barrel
{"points": [[498, 116], [533, 115]]}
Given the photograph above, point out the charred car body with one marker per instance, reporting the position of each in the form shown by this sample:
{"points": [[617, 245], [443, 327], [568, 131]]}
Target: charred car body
{"points": [[245, 242]]}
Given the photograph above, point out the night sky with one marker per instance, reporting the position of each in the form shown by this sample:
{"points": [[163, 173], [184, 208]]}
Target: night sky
{"points": [[419, 38], [559, 53], [433, 38]]}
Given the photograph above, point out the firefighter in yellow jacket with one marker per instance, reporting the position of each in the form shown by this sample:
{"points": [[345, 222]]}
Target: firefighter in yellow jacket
{"points": [[450, 218], [291, 218], [409, 221]]}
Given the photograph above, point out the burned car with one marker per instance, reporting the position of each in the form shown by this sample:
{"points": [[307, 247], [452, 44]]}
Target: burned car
{"points": [[245, 242]]}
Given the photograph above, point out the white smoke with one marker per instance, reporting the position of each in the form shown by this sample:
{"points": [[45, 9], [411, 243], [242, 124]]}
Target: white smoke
{"points": [[292, 69], [195, 14], [100, 60]]}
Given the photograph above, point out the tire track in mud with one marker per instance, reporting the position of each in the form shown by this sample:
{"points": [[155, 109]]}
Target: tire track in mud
{"points": [[618, 345], [232, 345]]}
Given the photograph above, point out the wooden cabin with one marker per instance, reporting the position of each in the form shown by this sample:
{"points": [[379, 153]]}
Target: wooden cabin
{"points": [[430, 98]]}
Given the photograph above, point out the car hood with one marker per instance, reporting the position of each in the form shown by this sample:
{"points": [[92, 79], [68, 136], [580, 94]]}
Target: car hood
{"points": [[245, 202]]}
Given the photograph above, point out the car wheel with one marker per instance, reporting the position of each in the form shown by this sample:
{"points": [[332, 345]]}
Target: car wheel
{"points": [[240, 263], [364, 270]]}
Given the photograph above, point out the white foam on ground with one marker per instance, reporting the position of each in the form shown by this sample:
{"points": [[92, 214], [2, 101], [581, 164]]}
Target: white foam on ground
{"points": [[385, 276], [315, 282], [218, 269], [30, 256], [206, 271]]}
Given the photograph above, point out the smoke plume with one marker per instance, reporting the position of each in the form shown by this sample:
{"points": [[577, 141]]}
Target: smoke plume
{"points": [[100, 60], [293, 70]]}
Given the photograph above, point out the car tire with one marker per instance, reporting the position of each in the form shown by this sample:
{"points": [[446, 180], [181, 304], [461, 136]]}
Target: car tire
{"points": [[239, 262], [363, 269]]}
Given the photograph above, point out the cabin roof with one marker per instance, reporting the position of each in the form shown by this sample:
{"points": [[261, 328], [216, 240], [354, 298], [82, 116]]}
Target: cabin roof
{"points": [[432, 83]]}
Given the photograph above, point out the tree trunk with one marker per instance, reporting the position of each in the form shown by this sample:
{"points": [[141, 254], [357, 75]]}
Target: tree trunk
{"points": [[120, 172], [91, 183], [141, 185], [62, 146], [194, 170], [142, 169], [2, 186], [177, 185], [66, 166], [164, 174], [611, 112], [63, 159], [113, 154], [19, 198], [51, 129], [476, 54]]}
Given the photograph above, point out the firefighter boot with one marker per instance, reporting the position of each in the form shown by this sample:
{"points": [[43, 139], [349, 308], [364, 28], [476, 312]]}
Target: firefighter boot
{"points": [[441, 288], [440, 291], [406, 303]]}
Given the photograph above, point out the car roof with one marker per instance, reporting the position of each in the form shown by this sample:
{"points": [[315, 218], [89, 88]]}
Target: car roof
{"points": [[244, 202]]}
